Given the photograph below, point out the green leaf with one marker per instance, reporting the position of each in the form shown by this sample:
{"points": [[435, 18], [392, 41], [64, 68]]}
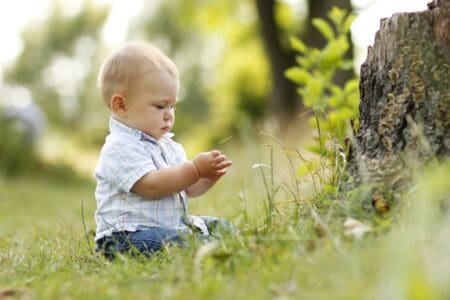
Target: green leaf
{"points": [[336, 90], [342, 44], [298, 45], [316, 87], [303, 170], [333, 101], [324, 28], [347, 64], [331, 56], [351, 86], [297, 75], [304, 61], [336, 15], [348, 23]]}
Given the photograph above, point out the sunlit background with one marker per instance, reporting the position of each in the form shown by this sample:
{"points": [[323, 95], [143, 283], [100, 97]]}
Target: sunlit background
{"points": [[16, 15], [51, 51]]}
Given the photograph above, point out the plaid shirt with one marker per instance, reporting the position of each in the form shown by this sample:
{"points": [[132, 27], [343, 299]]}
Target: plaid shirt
{"points": [[127, 155]]}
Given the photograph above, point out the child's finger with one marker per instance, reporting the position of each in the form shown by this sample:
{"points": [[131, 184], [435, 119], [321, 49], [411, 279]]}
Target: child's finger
{"points": [[215, 153], [221, 171], [220, 158], [223, 165]]}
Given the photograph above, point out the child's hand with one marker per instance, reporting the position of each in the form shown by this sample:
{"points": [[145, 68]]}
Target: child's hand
{"points": [[211, 164], [221, 166]]}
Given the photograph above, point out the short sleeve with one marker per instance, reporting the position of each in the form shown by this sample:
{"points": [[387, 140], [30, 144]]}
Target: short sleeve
{"points": [[125, 164], [179, 152]]}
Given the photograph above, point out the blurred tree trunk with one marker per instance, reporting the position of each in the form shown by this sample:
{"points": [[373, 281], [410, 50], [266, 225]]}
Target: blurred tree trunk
{"points": [[284, 100], [405, 97], [313, 38]]}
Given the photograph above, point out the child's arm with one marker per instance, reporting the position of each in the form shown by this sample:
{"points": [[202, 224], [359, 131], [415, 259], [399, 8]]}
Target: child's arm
{"points": [[158, 184], [204, 184], [200, 187]]}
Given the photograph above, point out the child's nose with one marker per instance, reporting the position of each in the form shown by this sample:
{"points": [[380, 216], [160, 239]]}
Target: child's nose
{"points": [[168, 114]]}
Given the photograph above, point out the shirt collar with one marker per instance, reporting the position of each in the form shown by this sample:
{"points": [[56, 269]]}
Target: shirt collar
{"points": [[118, 127]]}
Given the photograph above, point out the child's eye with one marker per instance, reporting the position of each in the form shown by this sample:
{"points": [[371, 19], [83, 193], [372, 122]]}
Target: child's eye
{"points": [[159, 106]]}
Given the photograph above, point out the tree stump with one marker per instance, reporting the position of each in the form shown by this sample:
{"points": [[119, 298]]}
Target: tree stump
{"points": [[405, 97]]}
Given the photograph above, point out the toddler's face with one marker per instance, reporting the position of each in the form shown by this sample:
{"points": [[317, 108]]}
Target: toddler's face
{"points": [[151, 105]]}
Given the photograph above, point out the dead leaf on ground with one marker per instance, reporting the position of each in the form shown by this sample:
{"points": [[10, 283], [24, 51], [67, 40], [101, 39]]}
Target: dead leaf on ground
{"points": [[14, 293], [355, 228]]}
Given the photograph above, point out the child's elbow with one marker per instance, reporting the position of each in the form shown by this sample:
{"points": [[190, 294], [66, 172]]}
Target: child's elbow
{"points": [[145, 192]]}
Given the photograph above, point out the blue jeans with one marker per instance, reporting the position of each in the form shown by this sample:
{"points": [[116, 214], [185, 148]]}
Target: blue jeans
{"points": [[148, 240]]}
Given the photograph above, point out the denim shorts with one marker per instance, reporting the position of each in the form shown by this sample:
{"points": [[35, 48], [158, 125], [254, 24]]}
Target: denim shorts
{"points": [[148, 240]]}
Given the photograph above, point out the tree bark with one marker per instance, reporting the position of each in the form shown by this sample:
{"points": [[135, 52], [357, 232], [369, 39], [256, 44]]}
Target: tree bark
{"points": [[405, 98]]}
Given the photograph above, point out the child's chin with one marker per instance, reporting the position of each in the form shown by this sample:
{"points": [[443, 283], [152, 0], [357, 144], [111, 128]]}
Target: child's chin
{"points": [[159, 136]]}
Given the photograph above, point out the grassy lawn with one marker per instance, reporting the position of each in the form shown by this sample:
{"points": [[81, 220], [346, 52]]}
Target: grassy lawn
{"points": [[297, 250]]}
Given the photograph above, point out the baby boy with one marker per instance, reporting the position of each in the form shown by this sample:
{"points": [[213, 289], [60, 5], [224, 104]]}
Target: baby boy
{"points": [[143, 177]]}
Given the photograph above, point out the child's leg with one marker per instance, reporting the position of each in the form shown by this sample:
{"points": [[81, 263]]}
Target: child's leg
{"points": [[146, 241], [153, 239]]}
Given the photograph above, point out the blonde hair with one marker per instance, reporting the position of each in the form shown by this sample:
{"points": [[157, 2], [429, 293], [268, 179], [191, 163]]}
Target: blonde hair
{"points": [[122, 68]]}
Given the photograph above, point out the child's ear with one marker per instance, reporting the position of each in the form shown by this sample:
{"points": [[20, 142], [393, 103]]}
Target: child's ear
{"points": [[118, 104]]}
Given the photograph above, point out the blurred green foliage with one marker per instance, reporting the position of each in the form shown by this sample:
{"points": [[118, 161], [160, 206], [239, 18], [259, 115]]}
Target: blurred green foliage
{"points": [[16, 153], [59, 63], [225, 76], [333, 105]]}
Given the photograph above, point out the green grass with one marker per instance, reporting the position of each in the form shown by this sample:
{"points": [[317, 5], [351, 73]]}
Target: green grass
{"points": [[295, 250]]}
